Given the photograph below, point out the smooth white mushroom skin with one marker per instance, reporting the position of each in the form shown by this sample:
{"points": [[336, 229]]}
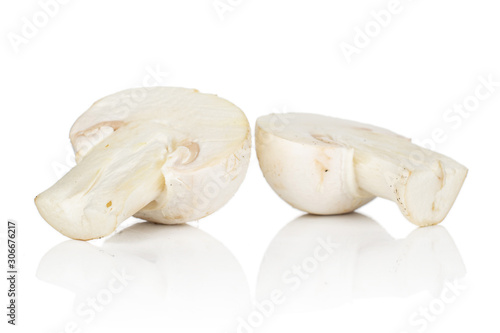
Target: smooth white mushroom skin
{"points": [[176, 156], [324, 165]]}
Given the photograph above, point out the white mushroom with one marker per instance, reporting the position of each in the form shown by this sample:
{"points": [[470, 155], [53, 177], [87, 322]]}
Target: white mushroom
{"points": [[324, 165], [170, 156]]}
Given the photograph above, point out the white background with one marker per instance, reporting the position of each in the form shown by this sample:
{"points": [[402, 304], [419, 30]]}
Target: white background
{"points": [[264, 56]]}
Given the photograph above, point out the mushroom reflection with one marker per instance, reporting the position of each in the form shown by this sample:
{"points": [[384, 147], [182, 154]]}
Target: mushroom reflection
{"points": [[318, 262]]}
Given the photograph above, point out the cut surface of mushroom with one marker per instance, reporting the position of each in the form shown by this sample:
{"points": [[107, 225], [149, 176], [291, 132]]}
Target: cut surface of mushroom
{"points": [[324, 165], [173, 155]]}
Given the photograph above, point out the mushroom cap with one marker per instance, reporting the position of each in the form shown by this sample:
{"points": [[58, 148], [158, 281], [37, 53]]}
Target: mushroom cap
{"points": [[309, 162]]}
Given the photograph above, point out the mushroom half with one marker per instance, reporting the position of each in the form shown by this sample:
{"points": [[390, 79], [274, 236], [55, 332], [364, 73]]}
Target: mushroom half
{"points": [[324, 165], [167, 155]]}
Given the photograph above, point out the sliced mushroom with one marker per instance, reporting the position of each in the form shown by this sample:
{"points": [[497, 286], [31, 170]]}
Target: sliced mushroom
{"points": [[324, 165], [171, 156]]}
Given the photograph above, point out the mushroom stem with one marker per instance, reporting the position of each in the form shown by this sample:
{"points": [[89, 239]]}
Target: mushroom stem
{"points": [[423, 183], [111, 183]]}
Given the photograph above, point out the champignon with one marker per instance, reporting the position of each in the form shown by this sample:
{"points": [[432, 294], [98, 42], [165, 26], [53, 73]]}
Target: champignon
{"points": [[168, 155], [324, 165]]}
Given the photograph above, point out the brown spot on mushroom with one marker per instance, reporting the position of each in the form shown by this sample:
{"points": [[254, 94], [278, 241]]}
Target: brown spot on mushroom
{"points": [[325, 138], [322, 170], [109, 204], [440, 174], [194, 150]]}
